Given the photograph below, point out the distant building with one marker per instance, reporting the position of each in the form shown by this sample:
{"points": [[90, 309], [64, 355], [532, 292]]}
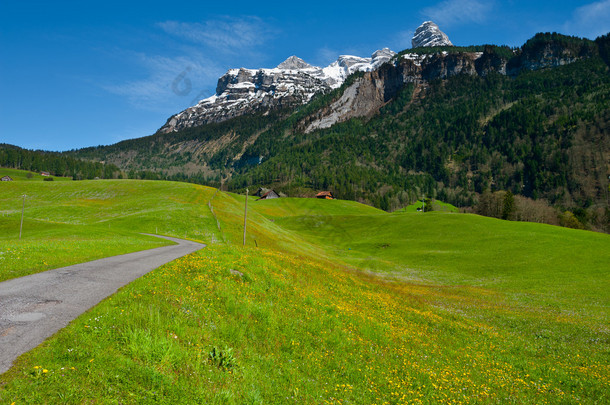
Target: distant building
{"points": [[269, 195], [325, 195], [45, 174], [261, 191], [7, 178]]}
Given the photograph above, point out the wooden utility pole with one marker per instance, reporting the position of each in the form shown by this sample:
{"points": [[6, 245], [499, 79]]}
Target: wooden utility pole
{"points": [[245, 217], [22, 210]]}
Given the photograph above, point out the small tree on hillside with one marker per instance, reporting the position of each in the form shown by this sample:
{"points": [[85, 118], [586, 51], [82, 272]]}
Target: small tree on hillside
{"points": [[428, 205], [508, 207]]}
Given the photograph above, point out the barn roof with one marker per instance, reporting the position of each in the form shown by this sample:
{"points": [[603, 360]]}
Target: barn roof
{"points": [[269, 194]]}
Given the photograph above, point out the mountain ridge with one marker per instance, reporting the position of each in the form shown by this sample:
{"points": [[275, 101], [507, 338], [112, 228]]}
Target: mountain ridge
{"points": [[293, 82]]}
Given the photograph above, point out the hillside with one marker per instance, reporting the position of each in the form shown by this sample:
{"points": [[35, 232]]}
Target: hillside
{"points": [[68, 222], [445, 122], [22, 175], [340, 302]]}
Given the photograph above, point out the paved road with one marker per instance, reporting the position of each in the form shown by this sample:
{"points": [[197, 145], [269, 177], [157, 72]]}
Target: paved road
{"points": [[34, 307]]}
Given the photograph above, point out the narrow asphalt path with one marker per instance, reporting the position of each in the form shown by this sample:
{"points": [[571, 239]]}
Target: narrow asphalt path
{"points": [[34, 307]]}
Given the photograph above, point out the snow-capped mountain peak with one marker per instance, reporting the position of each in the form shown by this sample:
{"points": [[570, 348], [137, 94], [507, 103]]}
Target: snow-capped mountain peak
{"points": [[429, 34], [292, 82]]}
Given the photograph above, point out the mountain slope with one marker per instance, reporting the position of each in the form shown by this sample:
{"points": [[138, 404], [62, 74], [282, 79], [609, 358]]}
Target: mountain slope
{"points": [[449, 122], [543, 134]]}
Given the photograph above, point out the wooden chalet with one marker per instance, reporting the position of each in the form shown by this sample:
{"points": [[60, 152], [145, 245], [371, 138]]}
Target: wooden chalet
{"points": [[7, 178], [45, 174], [327, 195], [269, 195]]}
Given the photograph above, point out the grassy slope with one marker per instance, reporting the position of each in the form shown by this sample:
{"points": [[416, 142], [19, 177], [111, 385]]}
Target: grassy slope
{"points": [[72, 222], [480, 315], [539, 263]]}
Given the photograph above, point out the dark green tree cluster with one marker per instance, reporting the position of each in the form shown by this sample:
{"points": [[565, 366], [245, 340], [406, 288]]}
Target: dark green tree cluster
{"points": [[56, 164]]}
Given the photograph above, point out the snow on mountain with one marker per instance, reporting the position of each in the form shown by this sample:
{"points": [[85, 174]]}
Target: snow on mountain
{"points": [[429, 34], [293, 82]]}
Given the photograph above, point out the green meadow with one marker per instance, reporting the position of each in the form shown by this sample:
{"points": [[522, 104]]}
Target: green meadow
{"points": [[329, 302], [72, 222]]}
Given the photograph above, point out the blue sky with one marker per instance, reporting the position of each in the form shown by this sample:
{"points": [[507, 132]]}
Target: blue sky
{"points": [[77, 73]]}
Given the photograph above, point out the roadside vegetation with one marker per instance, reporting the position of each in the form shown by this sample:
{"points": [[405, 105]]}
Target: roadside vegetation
{"points": [[329, 302]]}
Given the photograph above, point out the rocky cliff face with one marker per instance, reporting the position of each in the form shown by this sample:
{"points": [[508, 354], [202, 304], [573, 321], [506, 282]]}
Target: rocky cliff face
{"points": [[361, 99], [370, 92], [544, 51], [293, 82], [367, 94], [429, 34], [247, 91]]}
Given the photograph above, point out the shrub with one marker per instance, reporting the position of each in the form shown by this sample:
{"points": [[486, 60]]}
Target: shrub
{"points": [[569, 220], [223, 358]]}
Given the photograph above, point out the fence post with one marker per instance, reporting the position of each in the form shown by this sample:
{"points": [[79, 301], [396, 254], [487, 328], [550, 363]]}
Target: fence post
{"points": [[22, 210], [245, 216]]}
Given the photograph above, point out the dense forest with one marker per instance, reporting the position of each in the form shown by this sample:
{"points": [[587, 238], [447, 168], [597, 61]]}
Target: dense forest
{"points": [[538, 134]]}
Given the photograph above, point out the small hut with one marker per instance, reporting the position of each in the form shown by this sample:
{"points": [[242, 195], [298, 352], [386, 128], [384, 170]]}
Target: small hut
{"points": [[7, 178], [261, 191], [46, 174], [269, 195], [327, 195]]}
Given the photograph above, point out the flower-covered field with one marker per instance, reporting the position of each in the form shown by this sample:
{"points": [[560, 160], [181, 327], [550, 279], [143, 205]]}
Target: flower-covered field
{"points": [[234, 325]]}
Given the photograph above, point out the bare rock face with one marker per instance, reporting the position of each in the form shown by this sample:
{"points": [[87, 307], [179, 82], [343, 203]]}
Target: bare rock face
{"points": [[546, 53], [363, 98], [370, 92], [429, 34]]}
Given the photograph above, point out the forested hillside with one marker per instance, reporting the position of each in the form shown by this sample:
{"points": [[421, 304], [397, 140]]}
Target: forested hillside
{"points": [[57, 164], [542, 135]]}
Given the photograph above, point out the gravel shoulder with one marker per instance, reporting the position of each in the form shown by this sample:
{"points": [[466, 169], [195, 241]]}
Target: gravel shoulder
{"points": [[34, 307]]}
